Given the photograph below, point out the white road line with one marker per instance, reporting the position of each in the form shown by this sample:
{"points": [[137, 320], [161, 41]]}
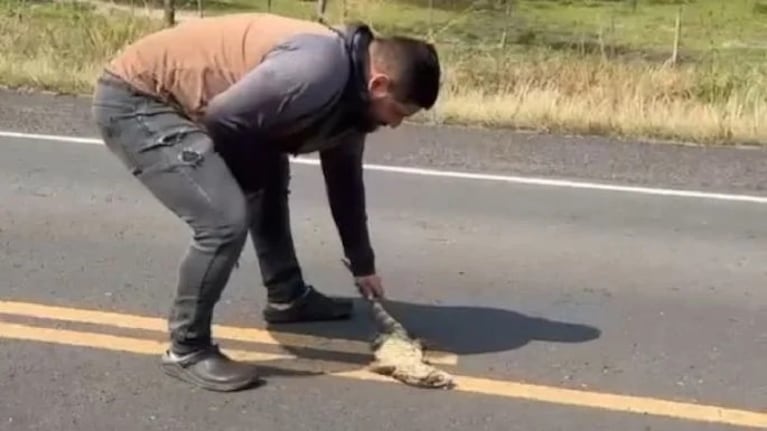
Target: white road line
{"points": [[70, 139], [468, 175]]}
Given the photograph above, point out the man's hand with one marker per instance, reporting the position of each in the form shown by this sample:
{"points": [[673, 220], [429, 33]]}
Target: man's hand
{"points": [[370, 286]]}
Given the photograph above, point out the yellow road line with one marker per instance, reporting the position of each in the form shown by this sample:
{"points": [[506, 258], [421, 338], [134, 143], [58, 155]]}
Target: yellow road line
{"points": [[466, 384], [599, 400], [501, 388], [253, 335], [109, 342]]}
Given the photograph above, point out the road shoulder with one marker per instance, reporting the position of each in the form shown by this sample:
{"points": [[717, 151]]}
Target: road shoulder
{"points": [[596, 159]]}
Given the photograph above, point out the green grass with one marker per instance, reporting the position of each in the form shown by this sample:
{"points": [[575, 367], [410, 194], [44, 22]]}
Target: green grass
{"points": [[558, 65], [60, 46], [706, 24]]}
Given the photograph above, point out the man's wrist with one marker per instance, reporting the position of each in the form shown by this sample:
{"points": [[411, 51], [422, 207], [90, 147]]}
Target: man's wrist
{"points": [[363, 264]]}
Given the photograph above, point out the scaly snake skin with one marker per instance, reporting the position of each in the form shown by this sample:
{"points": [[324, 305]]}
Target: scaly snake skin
{"points": [[399, 355]]}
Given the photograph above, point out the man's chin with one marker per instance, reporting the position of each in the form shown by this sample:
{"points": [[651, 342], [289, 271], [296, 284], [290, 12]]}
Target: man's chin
{"points": [[368, 123]]}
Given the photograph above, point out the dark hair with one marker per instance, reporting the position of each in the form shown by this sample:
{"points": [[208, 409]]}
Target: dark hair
{"points": [[414, 65]]}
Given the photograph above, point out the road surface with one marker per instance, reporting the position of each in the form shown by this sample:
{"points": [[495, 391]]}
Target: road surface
{"points": [[559, 307]]}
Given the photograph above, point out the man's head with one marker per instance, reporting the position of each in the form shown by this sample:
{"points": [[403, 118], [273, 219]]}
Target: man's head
{"points": [[403, 78]]}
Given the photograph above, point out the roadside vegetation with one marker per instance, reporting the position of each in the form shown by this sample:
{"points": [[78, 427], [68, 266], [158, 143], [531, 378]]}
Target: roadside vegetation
{"points": [[565, 66]]}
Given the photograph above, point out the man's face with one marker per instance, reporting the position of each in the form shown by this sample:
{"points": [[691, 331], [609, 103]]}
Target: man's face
{"points": [[386, 110]]}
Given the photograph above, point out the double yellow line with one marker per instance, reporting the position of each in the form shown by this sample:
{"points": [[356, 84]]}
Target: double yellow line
{"points": [[467, 384], [137, 345]]}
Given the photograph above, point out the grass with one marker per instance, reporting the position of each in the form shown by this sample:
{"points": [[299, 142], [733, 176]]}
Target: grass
{"points": [[595, 67], [61, 46]]}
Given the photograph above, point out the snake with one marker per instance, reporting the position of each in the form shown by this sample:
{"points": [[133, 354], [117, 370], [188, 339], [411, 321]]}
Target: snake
{"points": [[400, 355]]}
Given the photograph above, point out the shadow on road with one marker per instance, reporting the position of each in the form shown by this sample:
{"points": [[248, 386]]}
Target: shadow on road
{"points": [[461, 330]]}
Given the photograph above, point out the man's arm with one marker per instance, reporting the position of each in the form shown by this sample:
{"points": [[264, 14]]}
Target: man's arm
{"points": [[294, 80], [342, 169]]}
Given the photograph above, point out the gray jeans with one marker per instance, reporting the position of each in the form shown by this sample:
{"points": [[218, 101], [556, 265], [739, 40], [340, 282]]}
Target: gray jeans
{"points": [[178, 163]]}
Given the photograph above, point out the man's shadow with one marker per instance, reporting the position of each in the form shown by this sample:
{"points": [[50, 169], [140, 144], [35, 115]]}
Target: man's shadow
{"points": [[461, 330]]}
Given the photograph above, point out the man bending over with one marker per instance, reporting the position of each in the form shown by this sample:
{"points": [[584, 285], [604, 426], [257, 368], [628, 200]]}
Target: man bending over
{"points": [[205, 115]]}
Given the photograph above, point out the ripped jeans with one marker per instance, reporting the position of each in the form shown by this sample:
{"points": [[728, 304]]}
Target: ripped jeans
{"points": [[178, 163]]}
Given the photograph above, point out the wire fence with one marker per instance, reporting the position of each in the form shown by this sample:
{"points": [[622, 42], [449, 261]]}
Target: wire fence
{"points": [[663, 30], [593, 64]]}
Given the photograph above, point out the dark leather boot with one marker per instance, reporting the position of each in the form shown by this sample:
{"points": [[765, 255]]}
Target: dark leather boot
{"points": [[309, 307], [210, 369]]}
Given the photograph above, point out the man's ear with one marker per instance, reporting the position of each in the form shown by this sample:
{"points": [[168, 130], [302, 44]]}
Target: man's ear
{"points": [[379, 85]]}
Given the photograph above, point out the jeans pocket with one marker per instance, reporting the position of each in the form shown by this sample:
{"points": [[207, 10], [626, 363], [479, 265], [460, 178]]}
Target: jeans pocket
{"points": [[174, 148], [149, 136]]}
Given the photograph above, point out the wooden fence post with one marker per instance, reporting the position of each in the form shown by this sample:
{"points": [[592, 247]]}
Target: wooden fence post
{"points": [[170, 12], [322, 5], [505, 34], [677, 39]]}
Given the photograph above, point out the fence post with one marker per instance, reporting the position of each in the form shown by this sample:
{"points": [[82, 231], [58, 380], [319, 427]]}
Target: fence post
{"points": [[431, 20], [170, 12], [677, 39], [505, 34], [321, 7]]}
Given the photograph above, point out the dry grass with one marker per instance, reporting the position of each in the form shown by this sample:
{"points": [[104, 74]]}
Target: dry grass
{"points": [[61, 47], [589, 96]]}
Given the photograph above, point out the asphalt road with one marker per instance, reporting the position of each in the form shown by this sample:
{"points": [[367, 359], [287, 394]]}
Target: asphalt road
{"points": [[605, 292]]}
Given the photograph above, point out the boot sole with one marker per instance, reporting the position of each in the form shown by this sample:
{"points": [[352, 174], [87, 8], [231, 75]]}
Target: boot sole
{"points": [[179, 373], [271, 318]]}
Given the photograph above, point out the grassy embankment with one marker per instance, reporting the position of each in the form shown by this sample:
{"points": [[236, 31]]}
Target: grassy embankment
{"points": [[566, 66]]}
